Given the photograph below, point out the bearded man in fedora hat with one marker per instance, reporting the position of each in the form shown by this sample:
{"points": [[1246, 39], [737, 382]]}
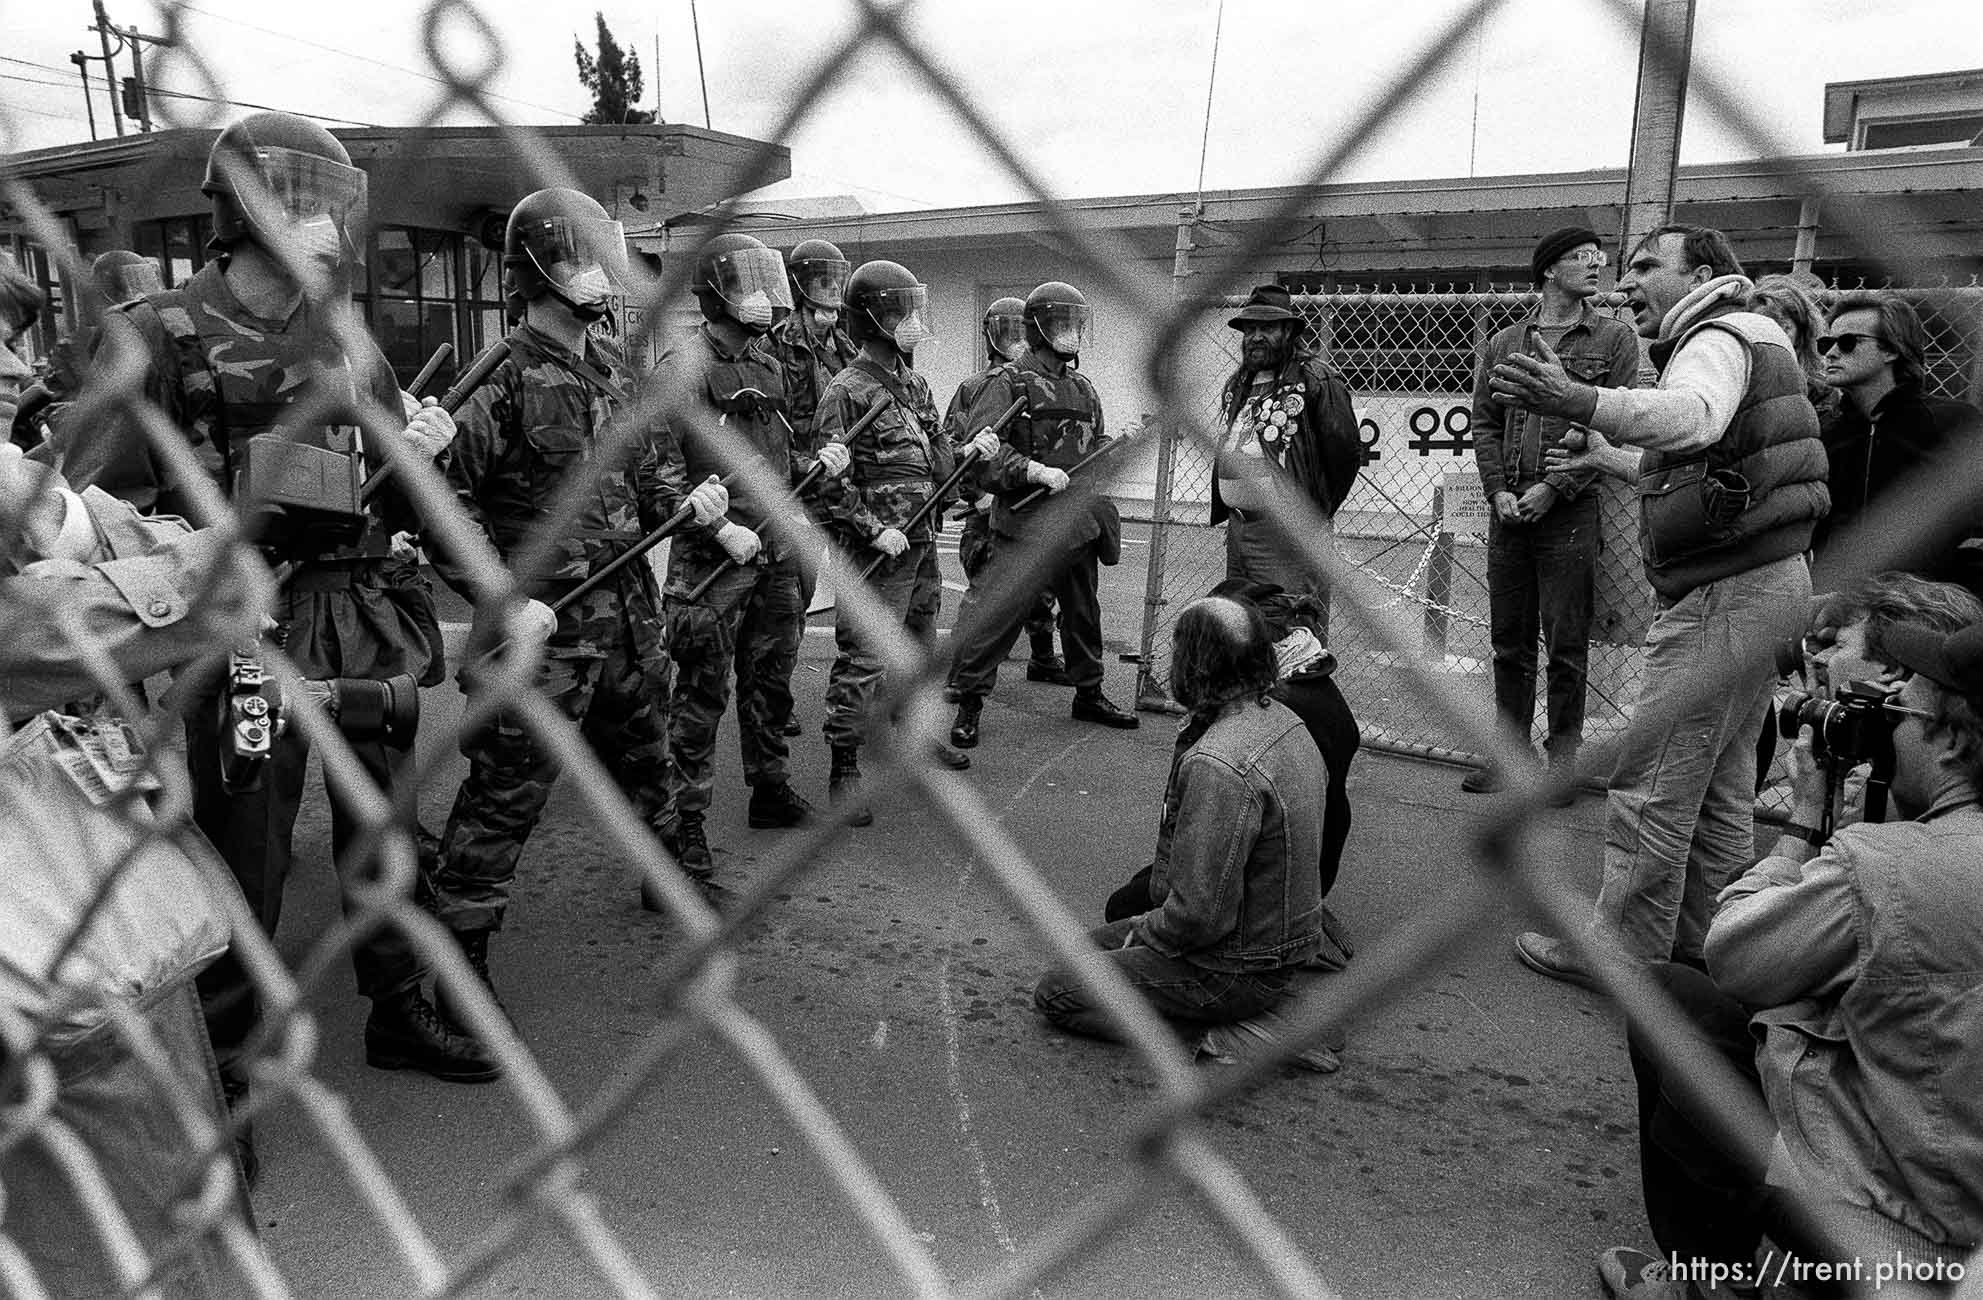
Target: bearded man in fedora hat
{"points": [[1289, 431]]}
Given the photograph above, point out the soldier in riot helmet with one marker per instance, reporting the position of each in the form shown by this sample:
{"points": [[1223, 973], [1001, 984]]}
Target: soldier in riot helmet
{"points": [[246, 360], [750, 616], [542, 416], [1005, 340], [812, 345], [1060, 425], [898, 461]]}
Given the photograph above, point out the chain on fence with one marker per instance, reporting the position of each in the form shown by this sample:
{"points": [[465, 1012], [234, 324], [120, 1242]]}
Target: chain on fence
{"points": [[132, 849], [1416, 522]]}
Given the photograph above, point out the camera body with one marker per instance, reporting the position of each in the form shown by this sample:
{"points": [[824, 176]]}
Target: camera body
{"points": [[1851, 727], [254, 712]]}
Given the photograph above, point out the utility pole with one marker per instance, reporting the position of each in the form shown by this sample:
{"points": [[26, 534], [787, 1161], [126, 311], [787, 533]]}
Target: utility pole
{"points": [[1666, 42], [82, 60], [103, 30]]}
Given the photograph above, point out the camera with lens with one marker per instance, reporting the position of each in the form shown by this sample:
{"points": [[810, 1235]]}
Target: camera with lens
{"points": [[253, 713], [1852, 727]]}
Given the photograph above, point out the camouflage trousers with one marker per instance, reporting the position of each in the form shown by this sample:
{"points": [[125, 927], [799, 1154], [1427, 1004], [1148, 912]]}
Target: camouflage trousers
{"points": [[911, 588], [605, 670], [749, 621], [974, 552]]}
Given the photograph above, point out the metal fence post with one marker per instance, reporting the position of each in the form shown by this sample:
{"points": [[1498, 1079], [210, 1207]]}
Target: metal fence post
{"points": [[1438, 581], [1150, 693]]}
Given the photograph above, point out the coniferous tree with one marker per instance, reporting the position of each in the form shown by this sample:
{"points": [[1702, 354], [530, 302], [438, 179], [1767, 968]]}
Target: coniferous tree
{"points": [[613, 77]]}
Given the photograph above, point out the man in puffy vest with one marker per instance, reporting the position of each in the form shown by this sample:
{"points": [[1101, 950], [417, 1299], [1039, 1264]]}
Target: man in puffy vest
{"points": [[1731, 482]]}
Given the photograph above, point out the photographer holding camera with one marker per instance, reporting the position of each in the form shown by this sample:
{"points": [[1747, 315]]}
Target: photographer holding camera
{"points": [[248, 360], [1845, 977], [106, 914]]}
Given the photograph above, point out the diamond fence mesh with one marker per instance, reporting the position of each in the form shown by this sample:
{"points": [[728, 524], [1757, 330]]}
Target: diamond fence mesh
{"points": [[1407, 356], [1416, 523]]}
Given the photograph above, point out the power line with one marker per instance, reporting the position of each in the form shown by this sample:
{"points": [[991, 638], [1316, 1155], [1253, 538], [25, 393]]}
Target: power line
{"points": [[366, 58]]}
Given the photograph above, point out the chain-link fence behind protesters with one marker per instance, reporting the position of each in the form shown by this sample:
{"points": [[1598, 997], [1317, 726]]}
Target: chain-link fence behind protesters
{"points": [[1390, 552], [1416, 523]]}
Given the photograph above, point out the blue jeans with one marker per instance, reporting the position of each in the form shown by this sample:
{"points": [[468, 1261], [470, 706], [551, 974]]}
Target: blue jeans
{"points": [[1188, 996], [1542, 579], [1680, 823]]}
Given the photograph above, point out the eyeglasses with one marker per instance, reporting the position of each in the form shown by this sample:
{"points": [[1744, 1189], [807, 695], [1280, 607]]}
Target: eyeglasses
{"points": [[1846, 344], [1588, 256]]}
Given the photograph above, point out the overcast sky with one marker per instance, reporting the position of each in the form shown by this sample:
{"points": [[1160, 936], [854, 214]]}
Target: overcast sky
{"points": [[1104, 96]]}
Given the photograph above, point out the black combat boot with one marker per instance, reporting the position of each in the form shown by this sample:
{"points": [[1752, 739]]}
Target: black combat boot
{"points": [[843, 787], [691, 850], [406, 1033], [775, 807], [475, 947], [1093, 706], [1045, 665], [964, 731]]}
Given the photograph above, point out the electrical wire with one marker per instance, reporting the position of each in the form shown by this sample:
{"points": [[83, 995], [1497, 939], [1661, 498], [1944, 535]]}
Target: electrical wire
{"points": [[366, 58]]}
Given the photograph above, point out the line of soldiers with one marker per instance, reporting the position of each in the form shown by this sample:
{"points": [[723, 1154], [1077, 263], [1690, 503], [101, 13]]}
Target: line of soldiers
{"points": [[803, 370]]}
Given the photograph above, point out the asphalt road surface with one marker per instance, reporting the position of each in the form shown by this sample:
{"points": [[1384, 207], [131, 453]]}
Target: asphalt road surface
{"points": [[1478, 1141]]}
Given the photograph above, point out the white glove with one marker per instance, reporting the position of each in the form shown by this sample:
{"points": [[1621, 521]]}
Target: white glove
{"points": [[708, 499], [430, 430], [739, 542], [1053, 480], [983, 505], [530, 626], [984, 442], [834, 458], [891, 542]]}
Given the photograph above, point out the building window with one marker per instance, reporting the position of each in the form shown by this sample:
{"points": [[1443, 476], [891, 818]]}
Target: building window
{"points": [[177, 244], [422, 288]]}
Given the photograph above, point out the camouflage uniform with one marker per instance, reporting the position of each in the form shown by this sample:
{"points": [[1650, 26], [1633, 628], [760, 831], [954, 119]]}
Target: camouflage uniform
{"points": [[1061, 424], [225, 376], [536, 421], [808, 361], [974, 544], [753, 616], [897, 462]]}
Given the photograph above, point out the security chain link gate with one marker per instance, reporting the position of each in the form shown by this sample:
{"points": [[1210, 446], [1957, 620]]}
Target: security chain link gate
{"points": [[1388, 554]]}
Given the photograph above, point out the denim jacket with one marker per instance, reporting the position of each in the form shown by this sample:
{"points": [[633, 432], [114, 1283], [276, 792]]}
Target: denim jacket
{"points": [[1509, 442], [1234, 885]]}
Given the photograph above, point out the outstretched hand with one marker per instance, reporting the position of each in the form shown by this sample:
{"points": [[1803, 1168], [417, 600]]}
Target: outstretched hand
{"points": [[1540, 383]]}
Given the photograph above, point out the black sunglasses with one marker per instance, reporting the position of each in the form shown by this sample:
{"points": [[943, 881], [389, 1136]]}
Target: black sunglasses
{"points": [[1846, 344]]}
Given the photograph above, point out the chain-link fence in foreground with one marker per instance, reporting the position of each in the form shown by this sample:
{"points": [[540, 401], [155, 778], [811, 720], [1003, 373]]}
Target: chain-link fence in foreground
{"points": [[1391, 550]]}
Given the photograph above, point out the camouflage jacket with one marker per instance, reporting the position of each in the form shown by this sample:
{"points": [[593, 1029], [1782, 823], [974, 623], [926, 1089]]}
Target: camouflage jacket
{"points": [[536, 421], [808, 361], [738, 398], [957, 430], [897, 460], [224, 376], [1060, 425]]}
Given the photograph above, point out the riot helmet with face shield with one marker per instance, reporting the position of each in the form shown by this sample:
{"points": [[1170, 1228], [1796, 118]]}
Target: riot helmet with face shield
{"points": [[886, 302], [286, 184], [561, 242], [737, 277], [1005, 330], [819, 278], [1057, 318]]}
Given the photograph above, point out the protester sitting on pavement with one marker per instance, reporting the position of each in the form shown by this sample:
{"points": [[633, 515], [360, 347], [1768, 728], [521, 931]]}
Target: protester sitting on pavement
{"points": [[1235, 908], [107, 915], [1845, 982], [1305, 671]]}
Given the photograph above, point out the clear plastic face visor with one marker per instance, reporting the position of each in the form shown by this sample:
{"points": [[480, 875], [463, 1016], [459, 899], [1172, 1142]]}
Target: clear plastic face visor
{"points": [[585, 258], [902, 314], [822, 281], [1006, 336], [284, 188], [752, 281], [1064, 325]]}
